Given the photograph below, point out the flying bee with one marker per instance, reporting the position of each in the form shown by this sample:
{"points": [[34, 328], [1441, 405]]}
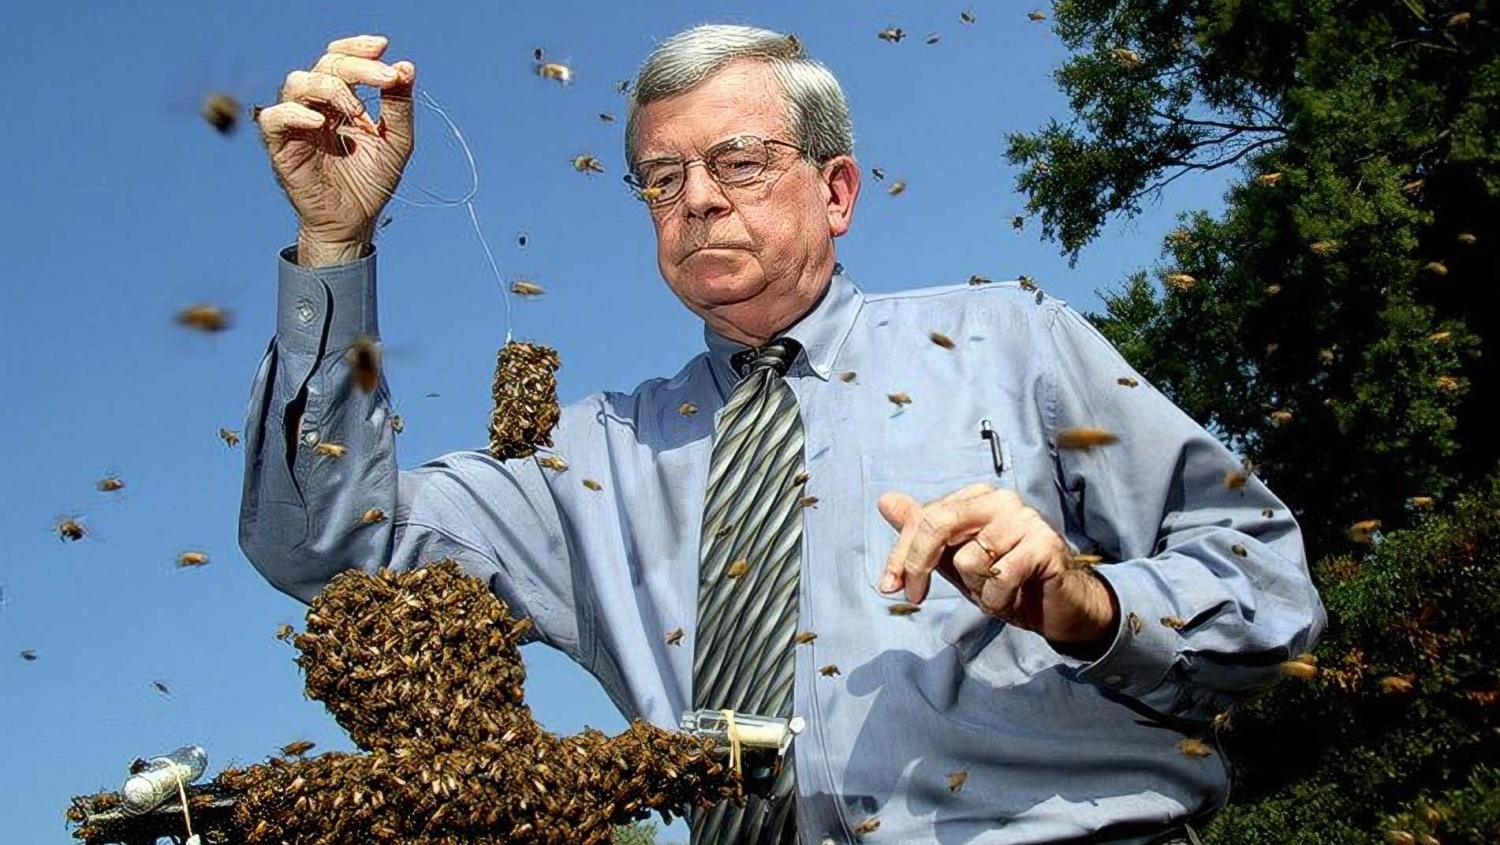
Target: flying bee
{"points": [[1194, 747], [592, 484], [934, 38], [1135, 623], [623, 86], [687, 409], [398, 425], [956, 780], [807, 501], [1267, 513], [1420, 502], [203, 317], [222, 112], [1176, 623], [552, 462], [1395, 685], [1436, 268], [1126, 56], [521, 287], [1273, 289], [1325, 356], [364, 363], [1447, 384], [674, 636], [1127, 381], [846, 376], [1460, 19], [585, 163], [284, 632], [230, 438], [161, 687], [891, 34], [737, 568], [868, 826], [373, 516], [1018, 222], [110, 484], [1270, 180], [1467, 238], [606, 117], [941, 339], [800, 478], [829, 671], [536, 54], [1027, 283], [897, 188], [1439, 337], [555, 71], [1036, 15], [1179, 281], [71, 529], [904, 609], [898, 399], [192, 558], [878, 174], [976, 280], [1364, 530], [1324, 247], [28, 654], [1299, 670], [298, 748], [968, 16], [1084, 438], [804, 637], [1281, 417], [331, 450]]}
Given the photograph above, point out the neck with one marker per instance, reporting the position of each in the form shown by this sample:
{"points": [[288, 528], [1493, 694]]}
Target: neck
{"points": [[754, 323]]}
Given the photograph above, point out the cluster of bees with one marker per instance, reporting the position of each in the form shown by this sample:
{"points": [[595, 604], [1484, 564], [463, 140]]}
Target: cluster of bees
{"points": [[424, 671]]}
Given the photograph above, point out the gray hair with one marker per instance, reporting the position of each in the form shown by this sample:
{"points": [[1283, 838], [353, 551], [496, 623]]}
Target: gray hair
{"points": [[817, 113]]}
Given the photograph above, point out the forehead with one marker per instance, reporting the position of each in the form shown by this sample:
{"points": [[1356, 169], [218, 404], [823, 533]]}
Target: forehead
{"points": [[742, 98]]}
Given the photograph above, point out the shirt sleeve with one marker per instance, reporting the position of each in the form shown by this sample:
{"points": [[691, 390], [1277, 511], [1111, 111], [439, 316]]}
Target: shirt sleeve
{"points": [[307, 513], [1211, 577]]}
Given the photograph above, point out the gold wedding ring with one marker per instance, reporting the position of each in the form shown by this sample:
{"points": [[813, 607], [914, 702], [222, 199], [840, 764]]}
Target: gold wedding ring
{"points": [[978, 541]]}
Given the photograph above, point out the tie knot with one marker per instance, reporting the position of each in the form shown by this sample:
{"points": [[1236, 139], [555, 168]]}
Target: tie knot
{"points": [[777, 355]]}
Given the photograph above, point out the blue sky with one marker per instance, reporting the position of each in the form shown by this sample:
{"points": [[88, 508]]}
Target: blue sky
{"points": [[120, 205]]}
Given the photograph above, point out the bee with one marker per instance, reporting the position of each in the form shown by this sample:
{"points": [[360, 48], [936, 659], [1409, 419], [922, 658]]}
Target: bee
{"points": [[161, 687], [1447, 384], [1079, 561], [1267, 513], [331, 450], [1467, 238], [1413, 186], [968, 16], [1134, 620], [606, 117], [521, 287], [904, 609], [1460, 19], [230, 438], [800, 478], [976, 280], [110, 484], [1194, 747], [1270, 180], [372, 516], [622, 86], [1179, 281], [956, 779], [1281, 417], [1420, 502], [1324, 247], [585, 163], [651, 194], [522, 239], [1439, 337], [1042, 168], [1273, 289], [1436, 268], [385, 221], [804, 637], [555, 71], [1036, 15], [1272, 347], [222, 112], [891, 34], [1018, 222], [1395, 685], [898, 399], [1299, 670], [878, 174], [203, 317], [592, 484], [737, 568], [364, 363], [192, 558], [1221, 721], [687, 409], [934, 38], [1238, 549], [1127, 381], [398, 425], [28, 654], [897, 188], [1026, 282], [1176, 623], [1325, 356], [1399, 837], [1084, 438], [868, 826], [941, 339], [1364, 530], [808, 501], [674, 636], [723, 530], [846, 376], [552, 462], [1126, 56], [298, 748], [71, 529], [284, 632]]}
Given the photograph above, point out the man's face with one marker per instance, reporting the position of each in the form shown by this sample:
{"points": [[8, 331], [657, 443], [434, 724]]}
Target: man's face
{"points": [[737, 253]]}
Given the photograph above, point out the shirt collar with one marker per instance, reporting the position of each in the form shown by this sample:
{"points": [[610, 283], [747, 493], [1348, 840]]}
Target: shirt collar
{"points": [[821, 331]]}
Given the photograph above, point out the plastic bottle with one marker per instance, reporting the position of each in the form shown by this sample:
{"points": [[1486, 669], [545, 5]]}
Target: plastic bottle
{"points": [[148, 788]]}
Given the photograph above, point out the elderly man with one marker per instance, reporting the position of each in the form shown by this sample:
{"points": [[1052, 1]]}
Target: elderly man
{"points": [[775, 552]]}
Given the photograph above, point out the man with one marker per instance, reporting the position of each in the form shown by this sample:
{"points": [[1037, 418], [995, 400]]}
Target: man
{"points": [[845, 448]]}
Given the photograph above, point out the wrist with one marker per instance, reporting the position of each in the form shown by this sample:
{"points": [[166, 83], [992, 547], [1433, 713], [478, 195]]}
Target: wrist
{"points": [[312, 252], [1096, 624]]}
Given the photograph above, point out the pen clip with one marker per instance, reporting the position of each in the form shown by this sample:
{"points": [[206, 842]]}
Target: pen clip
{"points": [[988, 433]]}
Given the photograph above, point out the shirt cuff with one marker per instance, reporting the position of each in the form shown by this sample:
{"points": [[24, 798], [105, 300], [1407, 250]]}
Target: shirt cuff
{"points": [[1144, 649], [336, 301]]}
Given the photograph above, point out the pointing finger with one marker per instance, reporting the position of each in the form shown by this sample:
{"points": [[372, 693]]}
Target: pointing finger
{"points": [[364, 46], [941, 525], [902, 512]]}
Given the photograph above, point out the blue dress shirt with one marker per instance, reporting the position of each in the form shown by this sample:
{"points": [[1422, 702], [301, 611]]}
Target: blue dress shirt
{"points": [[1055, 749]]}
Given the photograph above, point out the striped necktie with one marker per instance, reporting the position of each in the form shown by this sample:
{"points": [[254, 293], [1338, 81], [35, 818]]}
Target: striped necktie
{"points": [[751, 558]]}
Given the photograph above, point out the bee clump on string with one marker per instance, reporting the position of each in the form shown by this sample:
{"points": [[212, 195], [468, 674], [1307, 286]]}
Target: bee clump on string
{"points": [[525, 395]]}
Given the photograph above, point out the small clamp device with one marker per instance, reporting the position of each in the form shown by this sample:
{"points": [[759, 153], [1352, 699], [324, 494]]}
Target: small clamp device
{"points": [[756, 745]]}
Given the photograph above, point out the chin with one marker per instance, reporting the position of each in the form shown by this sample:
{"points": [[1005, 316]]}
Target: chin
{"points": [[714, 281]]}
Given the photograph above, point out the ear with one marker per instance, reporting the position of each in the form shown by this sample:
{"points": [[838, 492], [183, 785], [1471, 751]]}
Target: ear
{"points": [[841, 176]]}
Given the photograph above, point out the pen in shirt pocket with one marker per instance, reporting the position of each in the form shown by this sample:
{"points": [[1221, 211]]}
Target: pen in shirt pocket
{"points": [[988, 433]]}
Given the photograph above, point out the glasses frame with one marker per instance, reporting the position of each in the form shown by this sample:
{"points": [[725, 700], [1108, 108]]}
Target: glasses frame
{"points": [[638, 190]]}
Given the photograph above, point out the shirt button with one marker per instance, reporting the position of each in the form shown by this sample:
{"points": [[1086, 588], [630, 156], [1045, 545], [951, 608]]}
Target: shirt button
{"points": [[1114, 680], [305, 311], [310, 438]]}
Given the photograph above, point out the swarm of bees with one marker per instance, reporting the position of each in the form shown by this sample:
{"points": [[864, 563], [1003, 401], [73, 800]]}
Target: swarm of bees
{"points": [[525, 394], [423, 669]]}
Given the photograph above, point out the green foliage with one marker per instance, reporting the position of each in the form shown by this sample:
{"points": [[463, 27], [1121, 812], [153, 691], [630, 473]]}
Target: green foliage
{"points": [[1343, 296], [635, 833], [1400, 731]]}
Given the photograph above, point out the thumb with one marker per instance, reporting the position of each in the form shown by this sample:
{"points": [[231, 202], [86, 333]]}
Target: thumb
{"points": [[897, 508]]}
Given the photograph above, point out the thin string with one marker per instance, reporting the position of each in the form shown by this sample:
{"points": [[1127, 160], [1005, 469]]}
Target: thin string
{"points": [[186, 819]]}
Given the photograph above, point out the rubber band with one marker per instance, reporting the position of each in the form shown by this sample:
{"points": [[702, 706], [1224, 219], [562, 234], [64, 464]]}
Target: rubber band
{"points": [[733, 732]]}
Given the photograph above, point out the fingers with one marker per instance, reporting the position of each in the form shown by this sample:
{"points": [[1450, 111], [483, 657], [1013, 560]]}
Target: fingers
{"points": [[363, 46], [1010, 574], [324, 90], [275, 121], [357, 71], [396, 107], [927, 533]]}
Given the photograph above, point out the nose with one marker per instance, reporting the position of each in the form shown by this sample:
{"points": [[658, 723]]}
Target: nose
{"points": [[701, 196]]}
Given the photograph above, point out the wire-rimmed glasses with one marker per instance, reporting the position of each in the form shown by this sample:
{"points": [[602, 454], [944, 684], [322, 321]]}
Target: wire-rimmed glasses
{"points": [[734, 162]]}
